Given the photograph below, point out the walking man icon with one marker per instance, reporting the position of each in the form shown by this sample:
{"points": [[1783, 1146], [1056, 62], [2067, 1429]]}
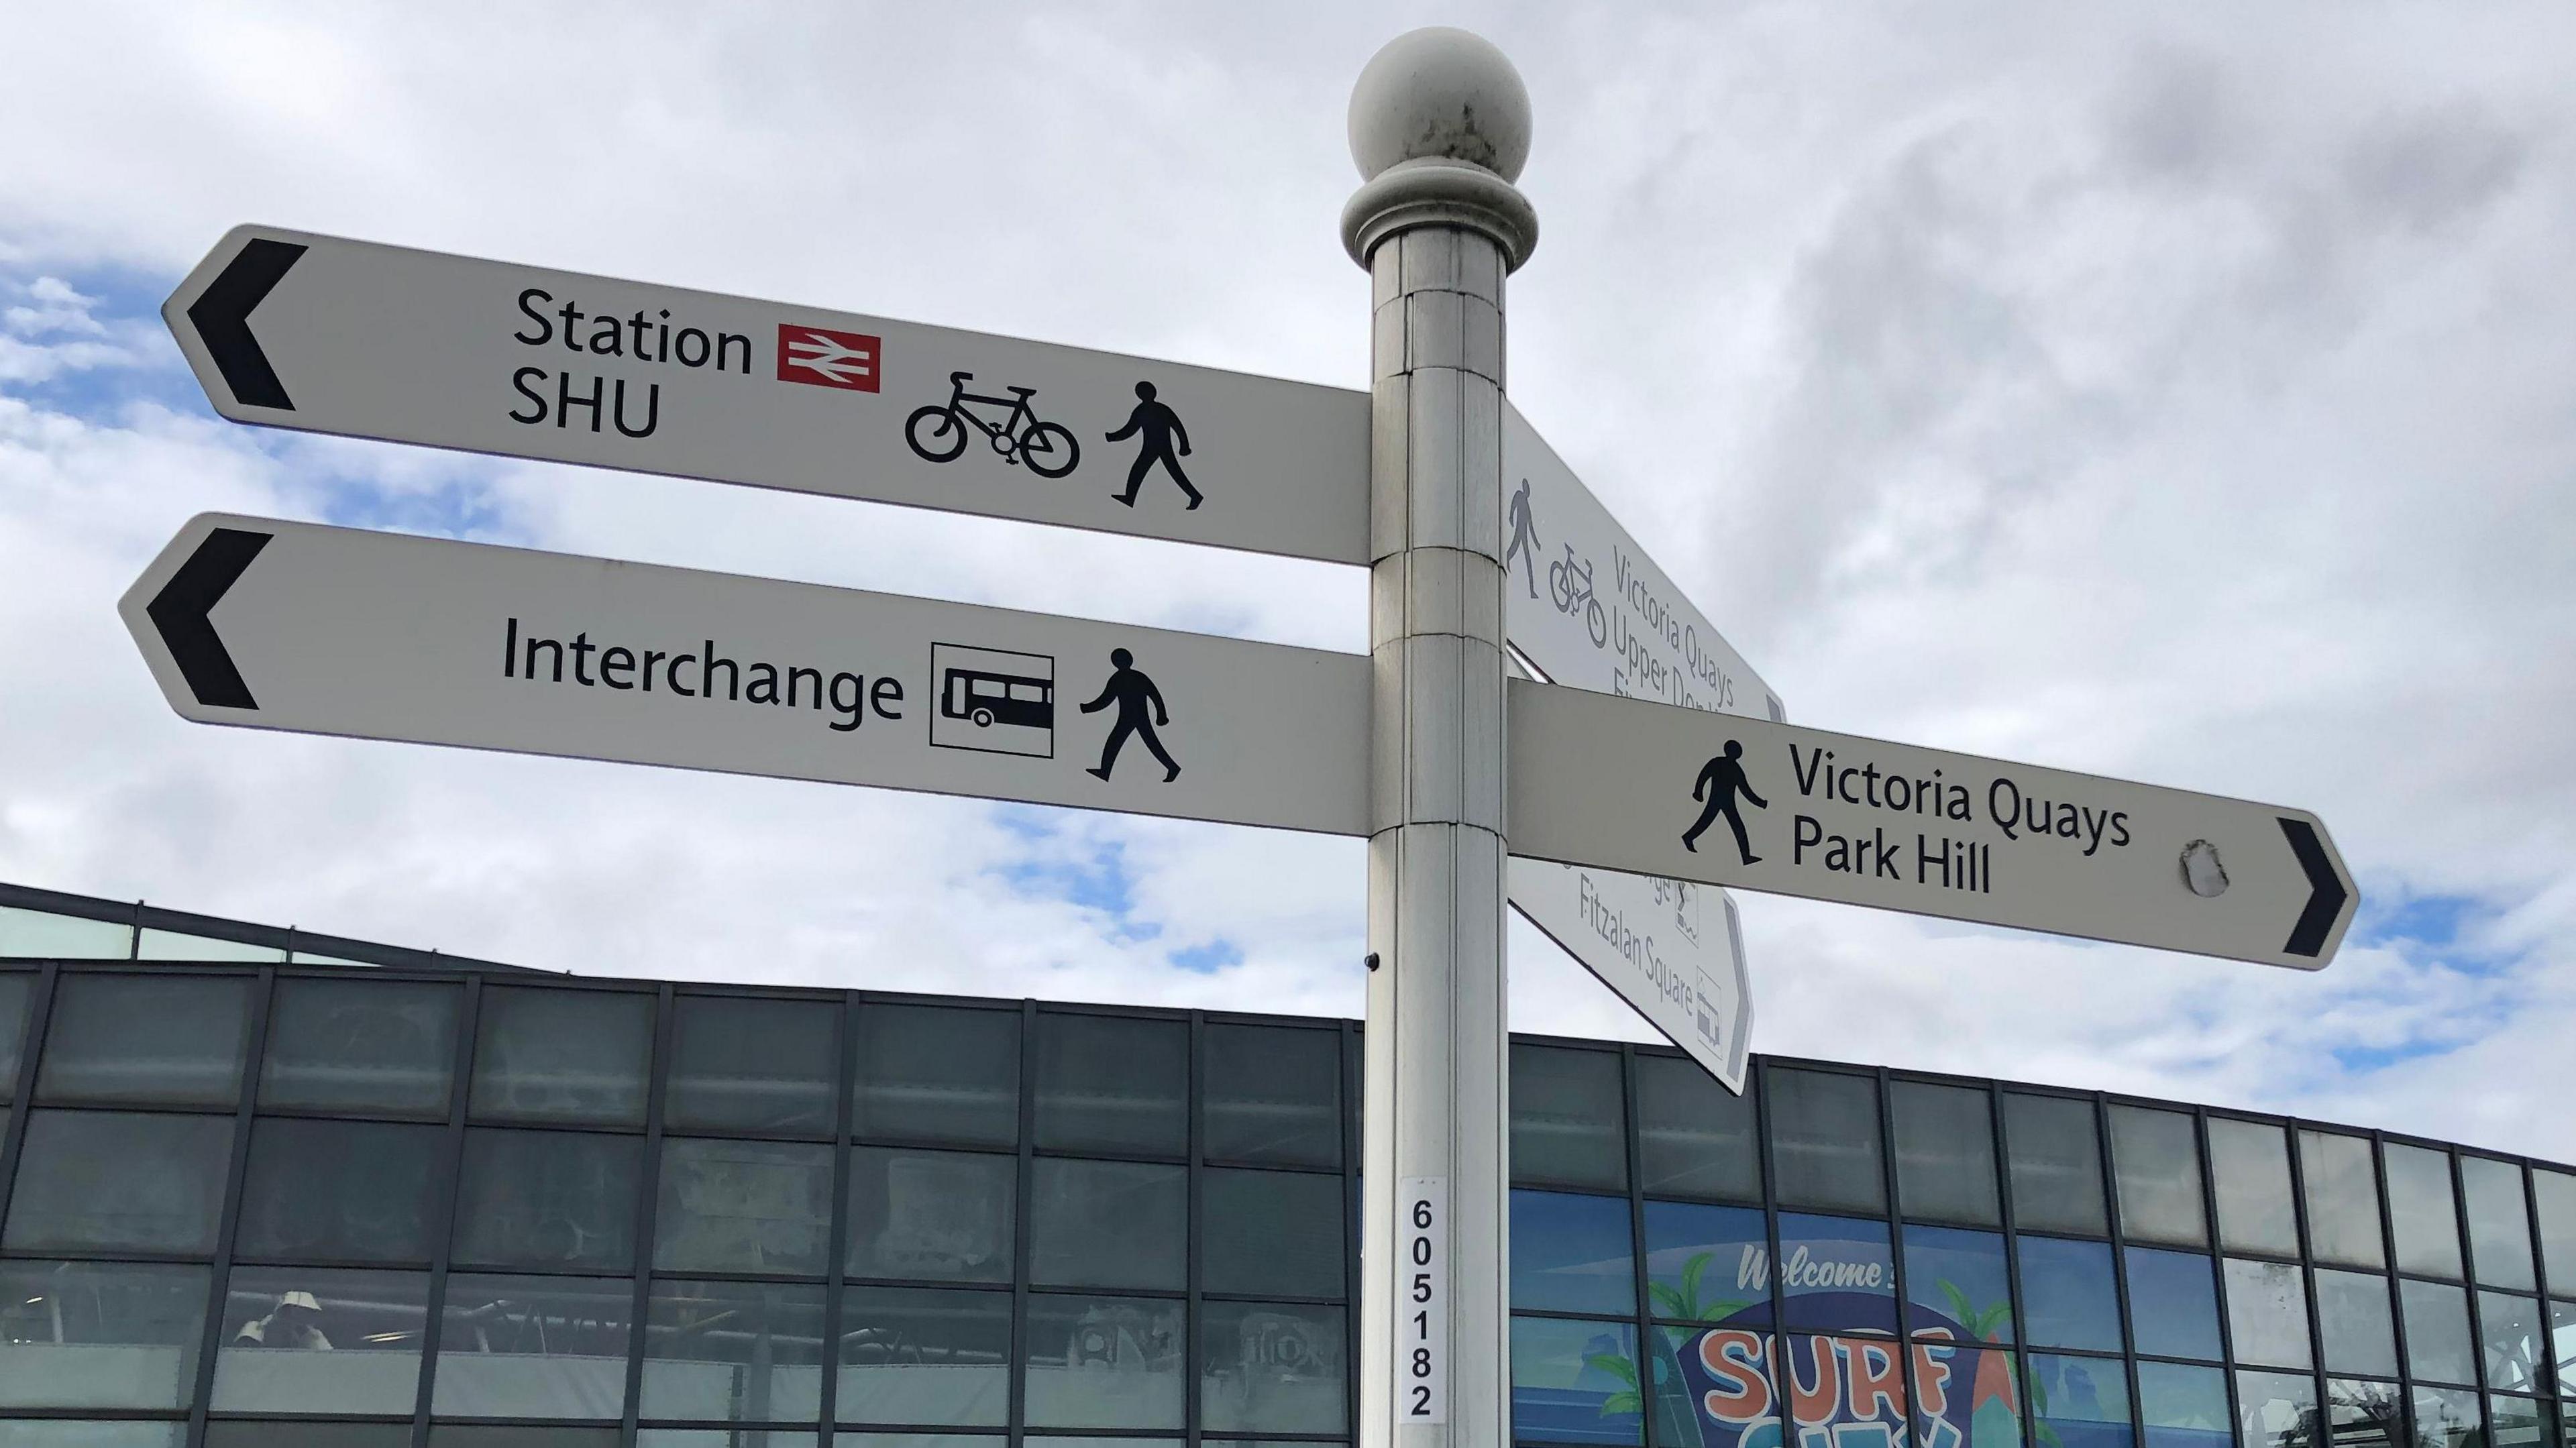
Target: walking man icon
{"points": [[1160, 427], [1719, 781], [1131, 691], [1524, 544]]}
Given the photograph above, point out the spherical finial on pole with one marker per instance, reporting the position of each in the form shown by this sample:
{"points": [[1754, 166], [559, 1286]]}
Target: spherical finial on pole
{"points": [[1440, 127], [1440, 93]]}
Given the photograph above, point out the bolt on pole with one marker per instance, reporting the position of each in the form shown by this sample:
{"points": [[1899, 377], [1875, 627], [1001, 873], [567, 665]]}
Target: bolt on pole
{"points": [[1439, 125]]}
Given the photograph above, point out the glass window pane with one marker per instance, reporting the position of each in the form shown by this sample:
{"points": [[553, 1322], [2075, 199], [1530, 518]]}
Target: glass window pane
{"points": [[382, 1047], [911, 1355], [562, 1055], [2157, 1156], [743, 1064], [1705, 1264], [1574, 1382], [2183, 1407], [100, 1334], [1107, 1224], [2446, 1419], [941, 1215], [2365, 1414], [43, 935], [1945, 1152], [15, 989], [2499, 1223], [176, 945], [304, 1340], [1838, 1274], [1265, 1233], [937, 1073], [2343, 1199], [1957, 1284], [252, 1433], [2437, 1331], [2353, 1318], [1272, 1368], [109, 1180], [1694, 1137], [2056, 1164], [1113, 1083], [2267, 1313], [2173, 1303], [2509, 1334], [1853, 1388], [2553, 1195], [1103, 1362], [2562, 1336], [1976, 1394], [1273, 1096], [534, 1347], [1712, 1385], [1570, 1253], [358, 1191], [162, 1039], [548, 1199], [1824, 1141], [516, 1435], [1566, 1117], [2249, 1164], [2275, 1410], [2422, 1211], [2520, 1423], [733, 1351], [2083, 1401], [744, 1206], [2067, 1296]]}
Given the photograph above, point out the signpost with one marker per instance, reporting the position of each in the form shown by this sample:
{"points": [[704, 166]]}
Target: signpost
{"points": [[1632, 785], [1618, 808], [291, 329], [1584, 604], [325, 630]]}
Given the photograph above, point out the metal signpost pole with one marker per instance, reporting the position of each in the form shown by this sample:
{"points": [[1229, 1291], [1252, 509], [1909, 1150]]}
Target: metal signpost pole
{"points": [[1439, 125]]}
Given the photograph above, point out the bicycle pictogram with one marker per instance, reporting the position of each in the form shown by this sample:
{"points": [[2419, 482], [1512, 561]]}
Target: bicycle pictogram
{"points": [[938, 432], [1569, 584]]}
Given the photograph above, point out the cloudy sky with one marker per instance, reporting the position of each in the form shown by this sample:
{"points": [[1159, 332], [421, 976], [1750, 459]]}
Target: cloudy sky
{"points": [[2182, 393]]}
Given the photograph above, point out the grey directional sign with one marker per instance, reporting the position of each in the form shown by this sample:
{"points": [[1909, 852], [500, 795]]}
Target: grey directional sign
{"points": [[1625, 784], [322, 630], [291, 329], [1589, 609]]}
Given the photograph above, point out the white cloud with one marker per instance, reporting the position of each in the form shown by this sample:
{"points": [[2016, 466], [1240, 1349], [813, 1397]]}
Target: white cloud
{"points": [[2168, 394]]}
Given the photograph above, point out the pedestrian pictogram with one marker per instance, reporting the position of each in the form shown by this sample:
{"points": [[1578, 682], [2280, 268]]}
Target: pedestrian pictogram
{"points": [[939, 432], [1157, 429], [1720, 781], [823, 357], [1131, 692], [1524, 540]]}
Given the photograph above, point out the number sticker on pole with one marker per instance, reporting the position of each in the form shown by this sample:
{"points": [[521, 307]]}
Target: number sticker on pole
{"points": [[1422, 1308]]}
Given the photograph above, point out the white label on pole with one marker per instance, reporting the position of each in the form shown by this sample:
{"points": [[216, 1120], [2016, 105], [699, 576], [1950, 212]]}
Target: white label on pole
{"points": [[1630, 785], [291, 329], [325, 630], [1422, 1301]]}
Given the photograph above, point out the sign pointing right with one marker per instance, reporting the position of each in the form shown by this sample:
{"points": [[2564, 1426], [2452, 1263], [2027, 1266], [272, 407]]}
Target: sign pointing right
{"points": [[1626, 784]]}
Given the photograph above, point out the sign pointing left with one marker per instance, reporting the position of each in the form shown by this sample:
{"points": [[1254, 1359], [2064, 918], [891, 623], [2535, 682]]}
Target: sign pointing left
{"points": [[291, 329], [325, 630]]}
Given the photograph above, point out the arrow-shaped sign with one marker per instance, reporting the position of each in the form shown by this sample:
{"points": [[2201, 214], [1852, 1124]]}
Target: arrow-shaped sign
{"points": [[1631, 785], [291, 329], [324, 630]]}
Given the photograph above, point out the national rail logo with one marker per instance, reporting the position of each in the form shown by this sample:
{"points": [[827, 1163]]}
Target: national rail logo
{"points": [[821, 357]]}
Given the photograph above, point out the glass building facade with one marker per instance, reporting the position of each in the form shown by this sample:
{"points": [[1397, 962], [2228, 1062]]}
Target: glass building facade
{"points": [[262, 1200]]}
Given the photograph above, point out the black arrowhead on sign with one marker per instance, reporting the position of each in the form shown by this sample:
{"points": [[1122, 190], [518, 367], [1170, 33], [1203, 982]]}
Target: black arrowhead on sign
{"points": [[2326, 890], [222, 318], [180, 612]]}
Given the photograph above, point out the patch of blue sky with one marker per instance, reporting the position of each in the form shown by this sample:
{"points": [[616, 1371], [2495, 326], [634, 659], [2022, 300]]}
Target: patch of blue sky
{"points": [[1085, 871], [2439, 929], [100, 339], [1208, 957]]}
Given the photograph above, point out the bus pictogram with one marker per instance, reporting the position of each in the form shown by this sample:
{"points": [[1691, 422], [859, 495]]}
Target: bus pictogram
{"points": [[993, 701]]}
